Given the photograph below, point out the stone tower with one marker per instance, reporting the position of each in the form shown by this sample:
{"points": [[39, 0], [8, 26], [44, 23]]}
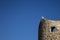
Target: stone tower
{"points": [[49, 30]]}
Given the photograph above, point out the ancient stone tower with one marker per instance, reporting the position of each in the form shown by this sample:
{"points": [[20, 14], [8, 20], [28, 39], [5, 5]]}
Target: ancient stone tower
{"points": [[49, 30]]}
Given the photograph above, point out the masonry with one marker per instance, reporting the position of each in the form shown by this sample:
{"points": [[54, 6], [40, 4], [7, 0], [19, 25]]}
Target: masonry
{"points": [[49, 30]]}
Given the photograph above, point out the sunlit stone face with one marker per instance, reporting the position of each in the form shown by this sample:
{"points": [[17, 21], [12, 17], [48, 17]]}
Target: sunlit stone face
{"points": [[49, 30]]}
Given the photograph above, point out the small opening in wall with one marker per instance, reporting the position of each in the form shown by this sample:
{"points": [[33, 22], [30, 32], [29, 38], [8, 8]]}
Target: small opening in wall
{"points": [[53, 29]]}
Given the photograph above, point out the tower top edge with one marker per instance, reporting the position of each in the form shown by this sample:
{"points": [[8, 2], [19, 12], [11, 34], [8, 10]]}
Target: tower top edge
{"points": [[43, 18]]}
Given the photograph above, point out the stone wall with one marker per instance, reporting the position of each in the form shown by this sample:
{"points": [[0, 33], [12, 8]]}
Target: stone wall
{"points": [[45, 30]]}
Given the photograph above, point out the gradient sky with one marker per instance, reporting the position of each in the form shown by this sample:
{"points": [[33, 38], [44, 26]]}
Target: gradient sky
{"points": [[19, 19]]}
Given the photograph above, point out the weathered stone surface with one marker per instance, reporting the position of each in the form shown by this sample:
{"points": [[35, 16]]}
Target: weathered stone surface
{"points": [[45, 27]]}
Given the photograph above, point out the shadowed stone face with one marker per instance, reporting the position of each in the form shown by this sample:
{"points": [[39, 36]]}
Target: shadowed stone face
{"points": [[49, 30]]}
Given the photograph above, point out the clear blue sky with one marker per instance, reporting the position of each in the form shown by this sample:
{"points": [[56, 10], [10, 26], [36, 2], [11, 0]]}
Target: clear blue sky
{"points": [[19, 19]]}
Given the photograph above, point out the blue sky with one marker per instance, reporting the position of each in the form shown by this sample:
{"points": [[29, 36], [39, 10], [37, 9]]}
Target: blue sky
{"points": [[19, 19]]}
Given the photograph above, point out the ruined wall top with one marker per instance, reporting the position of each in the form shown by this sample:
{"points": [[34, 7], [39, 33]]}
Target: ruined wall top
{"points": [[49, 29]]}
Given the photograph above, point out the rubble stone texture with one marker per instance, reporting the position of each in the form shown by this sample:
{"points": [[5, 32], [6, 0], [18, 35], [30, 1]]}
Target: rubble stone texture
{"points": [[45, 31]]}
